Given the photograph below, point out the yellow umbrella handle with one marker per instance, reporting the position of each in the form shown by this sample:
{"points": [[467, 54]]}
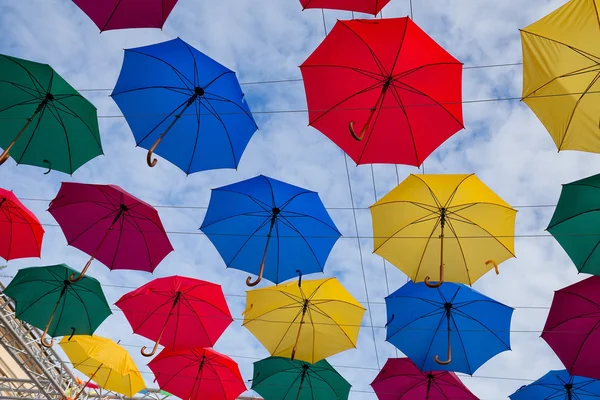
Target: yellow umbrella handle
{"points": [[435, 285], [495, 266]]}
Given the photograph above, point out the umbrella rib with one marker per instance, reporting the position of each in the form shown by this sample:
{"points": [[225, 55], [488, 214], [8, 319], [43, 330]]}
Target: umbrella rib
{"points": [[588, 334], [467, 205], [460, 246], [262, 225], [57, 117], [316, 373], [372, 127], [87, 313], [319, 302], [246, 214], [550, 329], [420, 67], [191, 308], [400, 46], [274, 204], [10, 222], [415, 203], [34, 80], [111, 15], [37, 124], [108, 216], [22, 87], [287, 330], [286, 222], [33, 303], [217, 78], [197, 106], [469, 317], [260, 203], [135, 224], [297, 214], [184, 91], [435, 226], [150, 315], [431, 313], [294, 197], [121, 225], [19, 213], [434, 382], [177, 72], [196, 83], [23, 103], [462, 344], [161, 122], [433, 196], [312, 307], [378, 62], [221, 98], [364, 72], [213, 111]]}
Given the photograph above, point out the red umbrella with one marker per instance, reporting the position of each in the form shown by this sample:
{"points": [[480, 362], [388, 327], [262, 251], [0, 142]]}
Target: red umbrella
{"points": [[112, 226], [198, 374], [363, 6], [400, 378], [383, 91], [177, 312], [20, 231], [571, 329], [124, 14]]}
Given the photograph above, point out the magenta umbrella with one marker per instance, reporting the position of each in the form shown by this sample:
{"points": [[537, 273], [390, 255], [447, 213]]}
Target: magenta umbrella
{"points": [[400, 378], [112, 226], [125, 14], [572, 327]]}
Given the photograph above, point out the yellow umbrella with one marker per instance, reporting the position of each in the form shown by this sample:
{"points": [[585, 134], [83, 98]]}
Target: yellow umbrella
{"points": [[305, 320], [431, 220], [104, 362], [561, 67]]}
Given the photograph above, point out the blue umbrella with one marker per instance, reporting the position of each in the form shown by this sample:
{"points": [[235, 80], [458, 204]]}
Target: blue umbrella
{"points": [[270, 228], [184, 106], [559, 385], [424, 323]]}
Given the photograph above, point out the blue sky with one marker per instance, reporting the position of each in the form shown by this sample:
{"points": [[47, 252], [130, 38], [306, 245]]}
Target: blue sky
{"points": [[503, 143]]}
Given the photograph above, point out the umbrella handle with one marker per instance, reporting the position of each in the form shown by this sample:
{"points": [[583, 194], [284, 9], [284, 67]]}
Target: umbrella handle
{"points": [[264, 258], [43, 339], [495, 266], [74, 279], [143, 351], [436, 285], [149, 160], [5, 155], [257, 281], [362, 132]]}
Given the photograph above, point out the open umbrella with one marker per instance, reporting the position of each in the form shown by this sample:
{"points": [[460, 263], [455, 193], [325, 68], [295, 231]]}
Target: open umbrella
{"points": [[278, 378], [269, 228], [198, 374], [112, 226], [186, 107], [451, 226], [560, 74], [571, 329], [575, 223], [45, 122], [104, 362], [125, 14], [401, 379], [363, 6], [559, 385], [177, 312], [46, 299], [305, 320], [21, 233], [424, 323], [383, 91]]}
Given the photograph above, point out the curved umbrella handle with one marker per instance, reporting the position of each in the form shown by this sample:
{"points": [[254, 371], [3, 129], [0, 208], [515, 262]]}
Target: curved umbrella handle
{"points": [[495, 266], [149, 160], [437, 358], [257, 281], [4, 156], [362, 132], [43, 339], [143, 351], [433, 285], [74, 279]]}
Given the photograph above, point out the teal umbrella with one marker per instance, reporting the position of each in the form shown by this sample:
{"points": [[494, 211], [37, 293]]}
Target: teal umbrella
{"points": [[278, 378], [46, 299]]}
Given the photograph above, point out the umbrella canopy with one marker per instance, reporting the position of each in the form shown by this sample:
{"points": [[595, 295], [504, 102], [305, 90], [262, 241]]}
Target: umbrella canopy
{"points": [[559, 385], [401, 379], [45, 122], [270, 228], [112, 226], [125, 14], [177, 312], [46, 299], [305, 320], [560, 74], [186, 107], [104, 362], [363, 6], [278, 378], [429, 222], [197, 374], [571, 327], [383, 91], [576, 221], [21, 233], [426, 324]]}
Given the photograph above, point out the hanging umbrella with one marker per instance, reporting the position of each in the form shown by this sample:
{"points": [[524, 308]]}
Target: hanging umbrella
{"points": [[126, 14], [425, 323], [269, 228], [400, 378], [363, 6], [177, 312], [46, 299], [559, 385], [575, 223], [45, 122], [21, 233], [112, 226], [197, 374], [278, 378], [571, 327], [383, 91], [104, 362], [560, 74], [432, 221], [185, 107], [308, 320]]}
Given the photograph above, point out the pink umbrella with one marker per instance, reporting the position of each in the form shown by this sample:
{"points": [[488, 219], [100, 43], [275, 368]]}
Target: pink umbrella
{"points": [[125, 14], [401, 379], [112, 226], [572, 327]]}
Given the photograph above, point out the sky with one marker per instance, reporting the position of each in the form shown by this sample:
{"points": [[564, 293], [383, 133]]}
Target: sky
{"points": [[503, 143]]}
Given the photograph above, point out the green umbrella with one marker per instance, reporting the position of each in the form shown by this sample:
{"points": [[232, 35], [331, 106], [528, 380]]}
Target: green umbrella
{"points": [[576, 223], [278, 378], [45, 122], [46, 299]]}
